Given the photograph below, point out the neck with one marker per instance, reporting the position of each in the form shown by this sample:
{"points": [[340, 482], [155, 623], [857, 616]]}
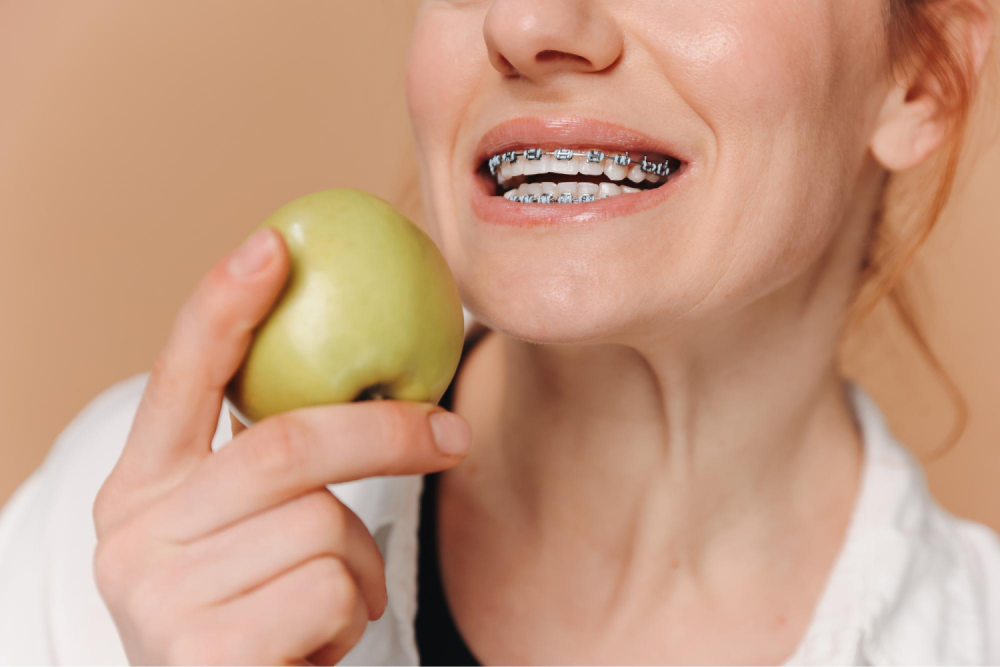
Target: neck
{"points": [[735, 438]]}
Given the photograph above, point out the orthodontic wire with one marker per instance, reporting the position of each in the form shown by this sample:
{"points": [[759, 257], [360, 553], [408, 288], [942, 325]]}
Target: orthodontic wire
{"points": [[565, 154]]}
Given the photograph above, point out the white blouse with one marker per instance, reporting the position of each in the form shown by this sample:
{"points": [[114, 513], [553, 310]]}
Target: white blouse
{"points": [[912, 584]]}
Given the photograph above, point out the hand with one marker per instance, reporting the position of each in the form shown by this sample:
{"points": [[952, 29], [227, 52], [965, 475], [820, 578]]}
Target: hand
{"points": [[243, 556]]}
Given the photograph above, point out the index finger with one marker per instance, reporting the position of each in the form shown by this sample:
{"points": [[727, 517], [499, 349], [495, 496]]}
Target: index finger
{"points": [[287, 455]]}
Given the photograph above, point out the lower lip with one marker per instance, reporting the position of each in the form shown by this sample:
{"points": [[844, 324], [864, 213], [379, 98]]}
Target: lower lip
{"points": [[501, 211]]}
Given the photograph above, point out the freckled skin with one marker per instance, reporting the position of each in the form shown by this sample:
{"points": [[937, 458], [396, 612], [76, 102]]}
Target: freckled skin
{"points": [[779, 98]]}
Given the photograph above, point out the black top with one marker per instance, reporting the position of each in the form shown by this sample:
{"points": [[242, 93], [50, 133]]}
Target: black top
{"points": [[438, 640]]}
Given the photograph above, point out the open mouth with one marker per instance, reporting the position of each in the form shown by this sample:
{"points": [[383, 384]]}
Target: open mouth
{"points": [[571, 170], [562, 175]]}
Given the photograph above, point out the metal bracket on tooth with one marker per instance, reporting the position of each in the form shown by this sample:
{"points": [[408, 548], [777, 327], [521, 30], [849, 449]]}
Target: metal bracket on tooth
{"points": [[658, 168], [564, 154], [564, 198]]}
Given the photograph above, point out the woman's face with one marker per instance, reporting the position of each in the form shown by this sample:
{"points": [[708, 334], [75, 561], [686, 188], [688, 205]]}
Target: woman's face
{"points": [[767, 106]]}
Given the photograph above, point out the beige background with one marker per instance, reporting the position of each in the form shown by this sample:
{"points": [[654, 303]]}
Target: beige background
{"points": [[139, 141]]}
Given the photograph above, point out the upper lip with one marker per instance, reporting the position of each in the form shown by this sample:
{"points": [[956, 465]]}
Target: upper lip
{"points": [[570, 132]]}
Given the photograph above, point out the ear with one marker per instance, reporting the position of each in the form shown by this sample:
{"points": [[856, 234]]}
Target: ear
{"points": [[920, 107]]}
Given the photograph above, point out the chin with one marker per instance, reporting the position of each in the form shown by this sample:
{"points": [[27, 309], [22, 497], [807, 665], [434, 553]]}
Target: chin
{"points": [[556, 311]]}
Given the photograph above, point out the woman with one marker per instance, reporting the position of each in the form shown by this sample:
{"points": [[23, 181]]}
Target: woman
{"points": [[670, 469]]}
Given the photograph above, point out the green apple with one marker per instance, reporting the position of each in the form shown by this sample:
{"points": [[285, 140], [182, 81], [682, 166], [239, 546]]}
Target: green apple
{"points": [[370, 310]]}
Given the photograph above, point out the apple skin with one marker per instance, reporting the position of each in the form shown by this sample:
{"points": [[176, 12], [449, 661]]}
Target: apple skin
{"points": [[370, 310]]}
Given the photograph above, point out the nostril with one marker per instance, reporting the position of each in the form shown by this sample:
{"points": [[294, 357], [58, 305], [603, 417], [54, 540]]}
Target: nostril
{"points": [[551, 56], [506, 67]]}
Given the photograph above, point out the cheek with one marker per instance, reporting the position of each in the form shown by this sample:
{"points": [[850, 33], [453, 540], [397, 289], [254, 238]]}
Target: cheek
{"points": [[779, 86], [444, 63], [737, 58]]}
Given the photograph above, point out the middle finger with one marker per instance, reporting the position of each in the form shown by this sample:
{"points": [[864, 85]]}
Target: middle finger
{"points": [[261, 548]]}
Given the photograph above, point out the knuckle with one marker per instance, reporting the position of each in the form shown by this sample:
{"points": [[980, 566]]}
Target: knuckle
{"points": [[356, 629], [207, 308], [108, 568], [114, 502], [322, 515], [184, 650], [163, 380], [105, 502], [174, 369], [165, 362], [197, 317], [337, 591], [147, 601], [118, 558], [278, 447], [396, 430], [199, 648]]}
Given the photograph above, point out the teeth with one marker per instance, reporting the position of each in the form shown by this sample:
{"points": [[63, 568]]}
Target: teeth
{"points": [[613, 171], [535, 167], [565, 167], [609, 190], [592, 168], [569, 162], [616, 167], [566, 193], [571, 189]]}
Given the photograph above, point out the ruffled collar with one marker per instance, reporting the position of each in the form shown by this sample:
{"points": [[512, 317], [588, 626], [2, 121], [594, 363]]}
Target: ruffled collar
{"points": [[899, 593]]}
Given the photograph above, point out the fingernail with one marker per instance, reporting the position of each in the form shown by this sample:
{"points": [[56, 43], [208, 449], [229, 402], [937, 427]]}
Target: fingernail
{"points": [[451, 433], [253, 255]]}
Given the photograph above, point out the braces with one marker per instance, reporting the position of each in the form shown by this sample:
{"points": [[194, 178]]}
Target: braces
{"points": [[620, 159], [564, 198]]}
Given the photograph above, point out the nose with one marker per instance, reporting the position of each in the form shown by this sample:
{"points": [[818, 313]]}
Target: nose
{"points": [[537, 39]]}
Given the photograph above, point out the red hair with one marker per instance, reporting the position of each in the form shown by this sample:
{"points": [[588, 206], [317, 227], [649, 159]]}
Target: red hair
{"points": [[921, 39]]}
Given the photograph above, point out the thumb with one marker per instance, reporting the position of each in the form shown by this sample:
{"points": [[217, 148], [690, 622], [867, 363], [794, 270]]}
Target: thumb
{"points": [[180, 407]]}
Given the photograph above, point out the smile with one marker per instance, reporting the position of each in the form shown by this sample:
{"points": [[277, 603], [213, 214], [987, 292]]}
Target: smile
{"points": [[559, 170], [526, 176]]}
